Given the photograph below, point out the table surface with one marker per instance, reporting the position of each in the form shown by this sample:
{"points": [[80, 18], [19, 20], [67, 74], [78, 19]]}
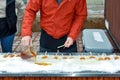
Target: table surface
{"points": [[61, 74]]}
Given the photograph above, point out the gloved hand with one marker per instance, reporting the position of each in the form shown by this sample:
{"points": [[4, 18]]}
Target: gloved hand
{"points": [[68, 42], [26, 41]]}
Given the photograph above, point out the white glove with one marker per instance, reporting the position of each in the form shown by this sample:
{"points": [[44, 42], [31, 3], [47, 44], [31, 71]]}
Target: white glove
{"points": [[26, 41], [68, 42]]}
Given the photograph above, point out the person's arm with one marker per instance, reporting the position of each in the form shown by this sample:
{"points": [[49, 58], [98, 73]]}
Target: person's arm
{"points": [[32, 8], [79, 18], [20, 6]]}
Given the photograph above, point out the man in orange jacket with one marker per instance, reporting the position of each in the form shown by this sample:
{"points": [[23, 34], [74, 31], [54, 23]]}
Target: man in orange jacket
{"points": [[60, 20]]}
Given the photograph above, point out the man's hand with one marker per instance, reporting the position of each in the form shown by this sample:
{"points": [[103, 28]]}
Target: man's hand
{"points": [[68, 42], [26, 41]]}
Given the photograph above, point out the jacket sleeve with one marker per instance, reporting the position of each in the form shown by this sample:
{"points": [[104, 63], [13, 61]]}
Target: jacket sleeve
{"points": [[79, 18], [32, 8], [20, 6]]}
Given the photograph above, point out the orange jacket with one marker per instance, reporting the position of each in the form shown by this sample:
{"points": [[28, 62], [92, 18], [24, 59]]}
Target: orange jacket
{"points": [[56, 20]]}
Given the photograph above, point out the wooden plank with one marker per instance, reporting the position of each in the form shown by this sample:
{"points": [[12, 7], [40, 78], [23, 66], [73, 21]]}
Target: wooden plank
{"points": [[27, 78], [1, 78], [101, 78], [95, 78], [74, 78], [42, 78], [37, 78], [58, 78], [17, 78], [31, 78], [53, 78], [68, 78], [11, 78], [48, 78], [6, 78], [22, 78], [90, 78], [116, 78], [108, 78], [83, 78]]}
